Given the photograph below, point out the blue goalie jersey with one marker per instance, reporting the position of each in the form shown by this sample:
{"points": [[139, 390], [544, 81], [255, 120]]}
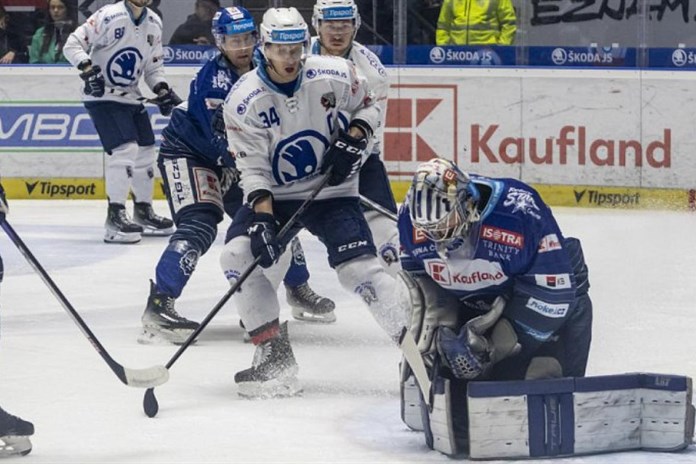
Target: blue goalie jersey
{"points": [[516, 250]]}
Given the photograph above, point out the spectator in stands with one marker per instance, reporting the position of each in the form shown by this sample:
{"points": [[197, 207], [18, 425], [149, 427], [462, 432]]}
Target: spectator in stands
{"points": [[476, 22], [197, 28], [12, 48], [383, 32], [47, 43], [422, 21]]}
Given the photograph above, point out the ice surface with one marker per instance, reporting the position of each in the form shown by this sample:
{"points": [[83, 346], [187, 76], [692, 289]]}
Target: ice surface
{"points": [[642, 270]]}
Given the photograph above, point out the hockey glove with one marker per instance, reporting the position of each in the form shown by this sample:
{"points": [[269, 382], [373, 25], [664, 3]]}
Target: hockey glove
{"points": [[344, 157], [95, 85], [264, 243], [4, 209], [166, 98], [470, 354]]}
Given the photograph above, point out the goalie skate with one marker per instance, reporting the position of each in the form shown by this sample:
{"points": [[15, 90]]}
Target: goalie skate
{"points": [[308, 306], [152, 224], [273, 372], [161, 322]]}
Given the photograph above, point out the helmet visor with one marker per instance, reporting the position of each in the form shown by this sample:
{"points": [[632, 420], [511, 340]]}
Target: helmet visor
{"points": [[237, 42]]}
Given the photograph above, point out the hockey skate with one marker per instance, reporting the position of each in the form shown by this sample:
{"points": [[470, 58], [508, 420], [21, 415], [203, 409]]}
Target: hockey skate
{"points": [[308, 306], [161, 322], [119, 227], [152, 224], [273, 372], [14, 435]]}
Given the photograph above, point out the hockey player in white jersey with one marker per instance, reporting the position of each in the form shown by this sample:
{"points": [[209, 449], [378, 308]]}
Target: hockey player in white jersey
{"points": [[289, 123], [336, 23], [113, 49]]}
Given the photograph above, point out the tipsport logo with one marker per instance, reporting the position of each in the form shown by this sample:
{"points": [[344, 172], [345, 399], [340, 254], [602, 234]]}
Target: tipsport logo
{"points": [[61, 189], [297, 35]]}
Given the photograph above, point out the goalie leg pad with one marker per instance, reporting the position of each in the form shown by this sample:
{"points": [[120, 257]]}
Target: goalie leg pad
{"points": [[577, 416]]}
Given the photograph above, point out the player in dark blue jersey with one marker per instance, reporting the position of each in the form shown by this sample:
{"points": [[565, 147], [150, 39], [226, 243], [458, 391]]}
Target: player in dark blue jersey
{"points": [[200, 179], [497, 286]]}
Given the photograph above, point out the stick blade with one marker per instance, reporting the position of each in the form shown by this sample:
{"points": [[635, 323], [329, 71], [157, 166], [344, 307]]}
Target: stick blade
{"points": [[146, 378]]}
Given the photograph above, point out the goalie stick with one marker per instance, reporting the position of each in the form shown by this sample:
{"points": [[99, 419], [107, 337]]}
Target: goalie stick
{"points": [[140, 378], [150, 404]]}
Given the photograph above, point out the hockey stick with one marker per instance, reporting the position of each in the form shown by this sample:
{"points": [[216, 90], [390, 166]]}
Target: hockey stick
{"points": [[407, 345], [122, 93], [143, 378], [150, 405], [377, 207]]}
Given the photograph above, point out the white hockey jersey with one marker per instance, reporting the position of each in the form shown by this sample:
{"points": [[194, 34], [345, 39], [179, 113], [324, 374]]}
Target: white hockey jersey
{"points": [[279, 142], [124, 48], [370, 68]]}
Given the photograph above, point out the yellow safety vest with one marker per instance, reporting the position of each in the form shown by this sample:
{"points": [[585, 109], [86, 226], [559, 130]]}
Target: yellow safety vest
{"points": [[472, 22]]}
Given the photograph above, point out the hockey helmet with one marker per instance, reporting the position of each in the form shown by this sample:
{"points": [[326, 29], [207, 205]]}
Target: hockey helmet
{"points": [[334, 10], [284, 26], [231, 21], [442, 201]]}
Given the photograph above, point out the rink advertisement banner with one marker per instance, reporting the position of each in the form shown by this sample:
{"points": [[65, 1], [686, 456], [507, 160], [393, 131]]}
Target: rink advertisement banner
{"points": [[604, 128], [38, 127], [62, 188]]}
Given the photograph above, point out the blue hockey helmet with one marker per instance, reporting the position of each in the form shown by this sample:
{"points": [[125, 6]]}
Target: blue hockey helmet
{"points": [[233, 20], [442, 201]]}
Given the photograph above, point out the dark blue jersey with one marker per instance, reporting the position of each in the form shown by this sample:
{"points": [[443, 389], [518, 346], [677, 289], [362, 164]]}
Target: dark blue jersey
{"points": [[516, 250], [189, 132]]}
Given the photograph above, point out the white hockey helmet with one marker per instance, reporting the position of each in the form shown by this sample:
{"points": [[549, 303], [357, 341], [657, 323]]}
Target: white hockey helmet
{"points": [[284, 26], [442, 201], [332, 10]]}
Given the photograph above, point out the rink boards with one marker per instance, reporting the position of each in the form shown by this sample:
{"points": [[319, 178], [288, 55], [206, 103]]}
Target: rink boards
{"points": [[587, 137]]}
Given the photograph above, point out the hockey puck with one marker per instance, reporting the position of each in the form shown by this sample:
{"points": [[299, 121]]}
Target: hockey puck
{"points": [[150, 404]]}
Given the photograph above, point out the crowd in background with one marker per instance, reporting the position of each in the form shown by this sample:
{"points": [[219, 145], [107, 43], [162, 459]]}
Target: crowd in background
{"points": [[34, 31]]}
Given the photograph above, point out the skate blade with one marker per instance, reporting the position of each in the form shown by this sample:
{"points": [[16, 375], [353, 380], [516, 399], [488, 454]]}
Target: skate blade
{"points": [[14, 446], [277, 388], [152, 232], [160, 336], [111, 236], [306, 316]]}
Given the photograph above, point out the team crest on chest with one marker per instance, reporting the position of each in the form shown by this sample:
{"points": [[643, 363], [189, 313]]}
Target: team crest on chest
{"points": [[297, 157], [123, 68]]}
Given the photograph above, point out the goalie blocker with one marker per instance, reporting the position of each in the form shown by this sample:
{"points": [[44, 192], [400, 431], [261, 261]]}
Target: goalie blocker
{"points": [[566, 416]]}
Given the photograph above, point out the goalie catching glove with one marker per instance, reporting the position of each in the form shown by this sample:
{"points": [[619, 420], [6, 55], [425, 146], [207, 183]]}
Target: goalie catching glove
{"points": [[470, 354], [344, 157]]}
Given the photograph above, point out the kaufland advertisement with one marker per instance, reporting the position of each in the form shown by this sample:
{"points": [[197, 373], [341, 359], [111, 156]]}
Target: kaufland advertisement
{"points": [[607, 138]]}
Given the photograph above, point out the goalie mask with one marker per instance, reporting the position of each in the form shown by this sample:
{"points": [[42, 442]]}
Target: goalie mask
{"points": [[442, 201]]}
